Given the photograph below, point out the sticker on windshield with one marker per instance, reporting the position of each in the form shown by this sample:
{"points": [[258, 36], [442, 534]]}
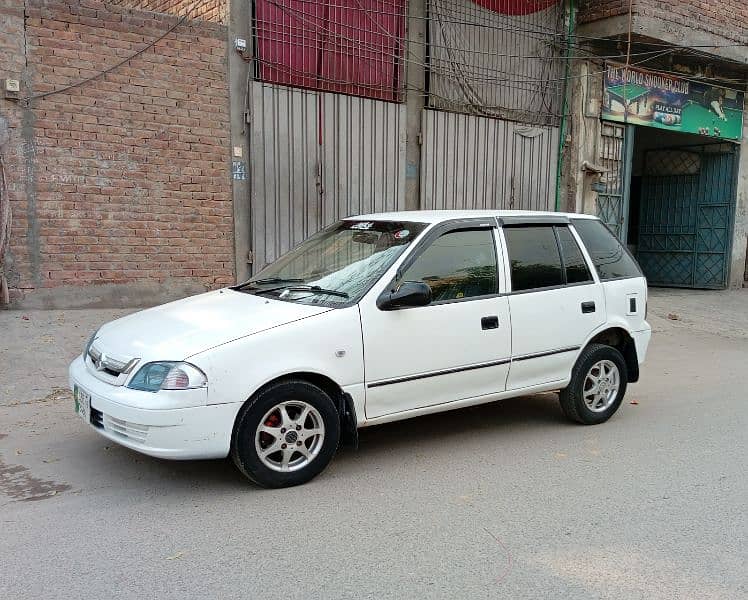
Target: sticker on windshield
{"points": [[363, 225], [402, 234]]}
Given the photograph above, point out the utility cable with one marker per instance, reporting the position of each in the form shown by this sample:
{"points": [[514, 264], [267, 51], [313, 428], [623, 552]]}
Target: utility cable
{"points": [[27, 100]]}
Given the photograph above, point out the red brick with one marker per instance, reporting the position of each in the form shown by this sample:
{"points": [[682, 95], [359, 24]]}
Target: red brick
{"points": [[120, 196], [718, 17]]}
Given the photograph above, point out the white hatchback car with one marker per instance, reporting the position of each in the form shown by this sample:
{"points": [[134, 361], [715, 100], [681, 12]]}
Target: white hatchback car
{"points": [[376, 318]]}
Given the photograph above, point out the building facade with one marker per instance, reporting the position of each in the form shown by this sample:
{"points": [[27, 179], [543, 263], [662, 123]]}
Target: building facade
{"points": [[658, 137], [117, 172], [157, 148], [372, 105]]}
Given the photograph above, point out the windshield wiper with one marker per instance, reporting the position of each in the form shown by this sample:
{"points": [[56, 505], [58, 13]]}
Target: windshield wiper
{"points": [[278, 280], [315, 289], [252, 283]]}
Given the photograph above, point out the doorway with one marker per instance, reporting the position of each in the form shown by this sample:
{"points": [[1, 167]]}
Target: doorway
{"points": [[677, 206]]}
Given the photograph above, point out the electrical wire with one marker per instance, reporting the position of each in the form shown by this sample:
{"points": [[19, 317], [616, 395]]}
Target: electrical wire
{"points": [[549, 32], [27, 100], [335, 33], [628, 62], [517, 82], [350, 41]]}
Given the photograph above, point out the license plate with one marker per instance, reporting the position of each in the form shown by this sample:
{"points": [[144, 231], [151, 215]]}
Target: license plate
{"points": [[82, 403]]}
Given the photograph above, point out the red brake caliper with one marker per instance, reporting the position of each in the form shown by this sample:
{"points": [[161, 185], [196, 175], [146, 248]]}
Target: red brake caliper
{"points": [[272, 421]]}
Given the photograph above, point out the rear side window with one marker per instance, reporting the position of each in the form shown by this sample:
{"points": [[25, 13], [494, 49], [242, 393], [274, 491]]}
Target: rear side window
{"points": [[534, 258], [610, 258], [574, 263]]}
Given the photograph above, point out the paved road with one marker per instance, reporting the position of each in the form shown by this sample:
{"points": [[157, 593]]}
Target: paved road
{"points": [[501, 501]]}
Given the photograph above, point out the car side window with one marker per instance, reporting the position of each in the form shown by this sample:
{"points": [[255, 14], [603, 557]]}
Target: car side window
{"points": [[574, 263], [458, 264], [610, 257], [534, 257]]}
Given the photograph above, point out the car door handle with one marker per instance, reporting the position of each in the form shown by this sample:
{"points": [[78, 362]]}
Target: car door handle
{"points": [[588, 307], [491, 322]]}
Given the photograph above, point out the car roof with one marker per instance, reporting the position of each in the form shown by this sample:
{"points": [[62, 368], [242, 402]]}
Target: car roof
{"points": [[437, 216]]}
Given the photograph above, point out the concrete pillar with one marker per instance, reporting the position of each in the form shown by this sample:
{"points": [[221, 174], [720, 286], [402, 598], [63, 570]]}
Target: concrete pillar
{"points": [[740, 230], [239, 26], [583, 127], [415, 100]]}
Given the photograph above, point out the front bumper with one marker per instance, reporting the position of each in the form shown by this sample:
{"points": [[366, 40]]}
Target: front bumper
{"points": [[198, 432]]}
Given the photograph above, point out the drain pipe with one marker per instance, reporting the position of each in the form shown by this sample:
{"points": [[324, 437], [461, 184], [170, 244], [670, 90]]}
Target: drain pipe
{"points": [[564, 104]]}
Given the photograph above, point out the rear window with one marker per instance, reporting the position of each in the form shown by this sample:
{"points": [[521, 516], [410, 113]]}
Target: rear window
{"points": [[610, 258]]}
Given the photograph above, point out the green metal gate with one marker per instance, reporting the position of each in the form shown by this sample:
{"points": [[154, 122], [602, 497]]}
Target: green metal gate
{"points": [[685, 217], [616, 146]]}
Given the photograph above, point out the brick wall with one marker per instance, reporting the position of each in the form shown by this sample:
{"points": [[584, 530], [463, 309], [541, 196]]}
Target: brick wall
{"points": [[594, 10], [727, 19], [206, 10], [125, 179], [12, 61]]}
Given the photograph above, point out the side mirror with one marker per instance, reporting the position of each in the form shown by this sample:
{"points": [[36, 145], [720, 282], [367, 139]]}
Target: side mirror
{"points": [[409, 294]]}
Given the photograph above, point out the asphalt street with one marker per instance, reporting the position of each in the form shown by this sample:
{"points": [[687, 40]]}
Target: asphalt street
{"points": [[507, 500]]}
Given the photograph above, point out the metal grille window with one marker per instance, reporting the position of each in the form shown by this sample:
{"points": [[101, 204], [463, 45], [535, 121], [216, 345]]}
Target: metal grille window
{"points": [[347, 46], [673, 162], [497, 58], [611, 199]]}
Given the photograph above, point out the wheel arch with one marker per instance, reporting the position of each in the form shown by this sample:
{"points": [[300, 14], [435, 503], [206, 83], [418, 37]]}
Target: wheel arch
{"points": [[619, 338], [343, 402]]}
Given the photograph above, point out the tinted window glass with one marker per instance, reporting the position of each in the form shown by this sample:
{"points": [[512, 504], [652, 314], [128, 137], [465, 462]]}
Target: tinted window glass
{"points": [[459, 264], [576, 268], [534, 257], [608, 254]]}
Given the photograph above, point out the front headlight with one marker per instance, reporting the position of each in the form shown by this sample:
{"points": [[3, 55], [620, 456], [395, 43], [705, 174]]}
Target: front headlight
{"points": [[168, 375], [90, 341]]}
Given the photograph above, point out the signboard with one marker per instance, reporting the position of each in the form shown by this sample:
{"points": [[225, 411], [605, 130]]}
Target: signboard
{"points": [[655, 99]]}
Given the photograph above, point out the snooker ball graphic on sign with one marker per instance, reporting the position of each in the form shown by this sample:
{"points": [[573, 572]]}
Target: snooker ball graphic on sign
{"points": [[660, 100]]}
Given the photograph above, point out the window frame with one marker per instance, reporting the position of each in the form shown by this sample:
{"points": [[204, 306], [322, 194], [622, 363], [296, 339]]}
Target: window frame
{"points": [[590, 261], [553, 222], [585, 258], [430, 236]]}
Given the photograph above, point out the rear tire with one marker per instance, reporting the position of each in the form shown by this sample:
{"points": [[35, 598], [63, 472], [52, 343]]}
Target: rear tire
{"points": [[286, 434], [597, 387]]}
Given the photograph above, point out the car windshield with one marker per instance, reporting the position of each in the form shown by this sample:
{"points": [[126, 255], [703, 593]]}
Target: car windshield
{"points": [[336, 266]]}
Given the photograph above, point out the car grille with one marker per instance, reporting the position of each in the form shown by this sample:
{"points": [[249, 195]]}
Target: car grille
{"points": [[119, 427], [112, 369]]}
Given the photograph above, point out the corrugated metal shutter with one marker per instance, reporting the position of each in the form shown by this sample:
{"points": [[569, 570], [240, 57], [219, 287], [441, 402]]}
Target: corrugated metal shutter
{"points": [[477, 162], [318, 157]]}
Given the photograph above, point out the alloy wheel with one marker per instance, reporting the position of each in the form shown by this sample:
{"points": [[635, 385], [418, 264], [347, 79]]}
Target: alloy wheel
{"points": [[601, 385], [290, 436]]}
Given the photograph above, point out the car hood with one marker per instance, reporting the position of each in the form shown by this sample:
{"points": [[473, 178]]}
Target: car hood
{"points": [[177, 330]]}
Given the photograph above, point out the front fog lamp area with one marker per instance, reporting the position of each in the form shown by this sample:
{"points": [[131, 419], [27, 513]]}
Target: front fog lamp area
{"points": [[168, 375]]}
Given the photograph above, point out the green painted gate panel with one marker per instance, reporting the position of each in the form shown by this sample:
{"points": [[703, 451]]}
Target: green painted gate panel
{"points": [[685, 219], [616, 147]]}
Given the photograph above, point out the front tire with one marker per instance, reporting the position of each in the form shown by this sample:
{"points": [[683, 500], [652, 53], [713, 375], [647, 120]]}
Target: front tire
{"points": [[597, 387], [286, 434]]}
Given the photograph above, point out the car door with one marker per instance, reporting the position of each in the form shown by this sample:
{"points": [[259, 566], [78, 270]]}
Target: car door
{"points": [[555, 300], [456, 347]]}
